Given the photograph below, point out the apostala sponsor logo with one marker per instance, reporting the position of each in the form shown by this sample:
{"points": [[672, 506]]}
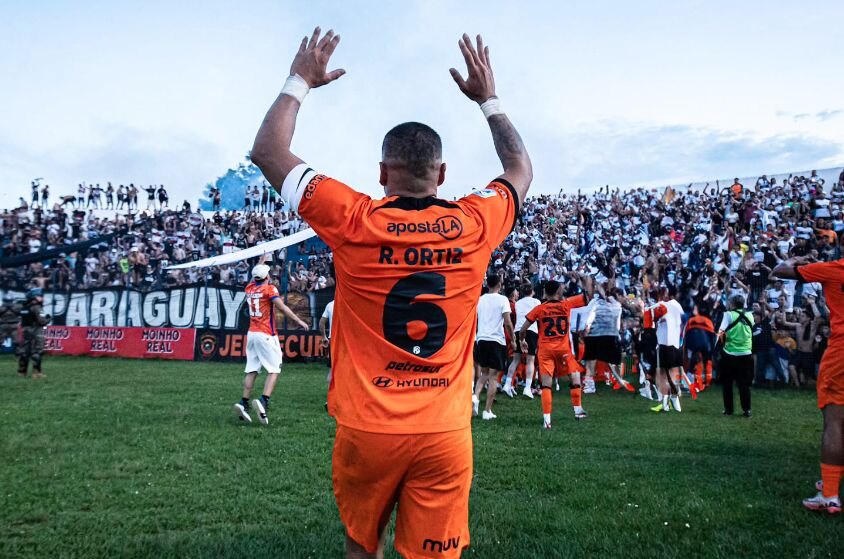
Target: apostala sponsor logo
{"points": [[448, 227]]}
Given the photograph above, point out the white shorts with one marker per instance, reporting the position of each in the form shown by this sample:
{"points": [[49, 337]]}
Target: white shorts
{"points": [[262, 350]]}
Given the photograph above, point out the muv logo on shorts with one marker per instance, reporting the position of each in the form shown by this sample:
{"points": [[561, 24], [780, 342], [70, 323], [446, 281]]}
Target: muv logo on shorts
{"points": [[448, 227], [438, 546], [382, 382]]}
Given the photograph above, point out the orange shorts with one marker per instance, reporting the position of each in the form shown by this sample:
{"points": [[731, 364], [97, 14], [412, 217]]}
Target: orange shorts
{"points": [[830, 381], [557, 364], [427, 475]]}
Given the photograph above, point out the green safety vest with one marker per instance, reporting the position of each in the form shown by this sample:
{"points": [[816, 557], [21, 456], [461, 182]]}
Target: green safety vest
{"points": [[739, 334]]}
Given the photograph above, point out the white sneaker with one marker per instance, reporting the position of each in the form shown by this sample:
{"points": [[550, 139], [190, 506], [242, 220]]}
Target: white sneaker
{"points": [[675, 403], [488, 415], [546, 423], [580, 414], [557, 384], [527, 392], [645, 392], [262, 413], [508, 390], [242, 413], [831, 505], [475, 403], [589, 386]]}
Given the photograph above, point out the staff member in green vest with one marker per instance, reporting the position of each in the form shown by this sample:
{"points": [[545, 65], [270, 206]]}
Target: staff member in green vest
{"points": [[736, 333]]}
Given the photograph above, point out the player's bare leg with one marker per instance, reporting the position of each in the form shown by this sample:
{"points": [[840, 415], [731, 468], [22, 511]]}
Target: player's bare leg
{"points": [[356, 551], [511, 374], [589, 383], [828, 498], [262, 404], [530, 367], [674, 380], [576, 393], [242, 408], [663, 385], [490, 378], [482, 379]]}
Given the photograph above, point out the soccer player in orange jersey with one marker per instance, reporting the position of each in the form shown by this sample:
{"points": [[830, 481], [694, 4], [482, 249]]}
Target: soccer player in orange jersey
{"points": [[262, 347], [830, 377], [699, 343], [555, 354], [409, 269]]}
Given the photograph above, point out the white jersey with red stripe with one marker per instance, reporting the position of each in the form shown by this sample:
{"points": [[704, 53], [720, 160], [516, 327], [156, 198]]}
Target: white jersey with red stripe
{"points": [[669, 327]]}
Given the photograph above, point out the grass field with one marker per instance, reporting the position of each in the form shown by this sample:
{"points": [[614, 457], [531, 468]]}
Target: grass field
{"points": [[120, 458]]}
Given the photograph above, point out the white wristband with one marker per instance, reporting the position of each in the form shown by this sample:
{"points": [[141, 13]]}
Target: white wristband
{"points": [[492, 106], [296, 87]]}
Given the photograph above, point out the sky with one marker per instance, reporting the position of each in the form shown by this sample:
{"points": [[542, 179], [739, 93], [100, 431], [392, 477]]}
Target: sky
{"points": [[603, 92]]}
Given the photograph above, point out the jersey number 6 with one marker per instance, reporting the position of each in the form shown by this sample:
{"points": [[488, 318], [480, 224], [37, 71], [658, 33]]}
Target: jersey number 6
{"points": [[400, 310]]}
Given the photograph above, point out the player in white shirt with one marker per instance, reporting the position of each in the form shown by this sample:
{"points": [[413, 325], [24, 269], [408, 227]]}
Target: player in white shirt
{"points": [[493, 319], [523, 306], [669, 355]]}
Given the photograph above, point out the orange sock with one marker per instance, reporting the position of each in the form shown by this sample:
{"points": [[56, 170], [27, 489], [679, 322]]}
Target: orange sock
{"points": [[576, 396], [709, 372], [546, 399], [831, 476]]}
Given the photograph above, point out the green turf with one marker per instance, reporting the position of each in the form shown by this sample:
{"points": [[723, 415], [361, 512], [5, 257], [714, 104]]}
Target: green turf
{"points": [[122, 458]]}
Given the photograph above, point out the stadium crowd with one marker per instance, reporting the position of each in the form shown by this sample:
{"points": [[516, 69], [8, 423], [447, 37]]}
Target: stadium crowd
{"points": [[706, 244], [139, 244]]}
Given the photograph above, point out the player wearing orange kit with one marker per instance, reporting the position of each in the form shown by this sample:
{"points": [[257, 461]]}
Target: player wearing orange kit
{"points": [[554, 355], [262, 347], [830, 377], [409, 269]]}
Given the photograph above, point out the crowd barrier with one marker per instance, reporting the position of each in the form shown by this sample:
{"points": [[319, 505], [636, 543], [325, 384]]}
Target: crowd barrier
{"points": [[186, 344]]}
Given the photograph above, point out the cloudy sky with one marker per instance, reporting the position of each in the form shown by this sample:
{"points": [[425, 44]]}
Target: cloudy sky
{"points": [[603, 92]]}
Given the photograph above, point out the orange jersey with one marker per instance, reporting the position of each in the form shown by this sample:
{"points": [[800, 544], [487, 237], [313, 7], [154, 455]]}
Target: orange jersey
{"points": [[409, 271], [831, 373], [652, 315], [259, 301], [552, 317], [700, 322]]}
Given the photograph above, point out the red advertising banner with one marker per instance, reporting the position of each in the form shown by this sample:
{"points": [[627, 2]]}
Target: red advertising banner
{"points": [[221, 345], [138, 343]]}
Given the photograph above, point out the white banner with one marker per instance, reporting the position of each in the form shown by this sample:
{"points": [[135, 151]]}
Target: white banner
{"points": [[258, 250]]}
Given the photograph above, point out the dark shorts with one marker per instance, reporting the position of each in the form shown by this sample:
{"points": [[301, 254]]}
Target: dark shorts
{"points": [[531, 338], [492, 355], [670, 357], [602, 348]]}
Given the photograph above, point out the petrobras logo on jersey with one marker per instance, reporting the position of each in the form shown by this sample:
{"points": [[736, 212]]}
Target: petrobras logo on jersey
{"points": [[448, 227]]}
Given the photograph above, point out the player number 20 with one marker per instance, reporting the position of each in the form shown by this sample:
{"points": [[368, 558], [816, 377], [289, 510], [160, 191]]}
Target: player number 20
{"points": [[400, 309], [555, 326]]}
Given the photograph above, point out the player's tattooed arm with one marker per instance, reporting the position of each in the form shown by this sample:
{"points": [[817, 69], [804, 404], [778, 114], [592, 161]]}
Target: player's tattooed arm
{"points": [[271, 150], [479, 86], [511, 151]]}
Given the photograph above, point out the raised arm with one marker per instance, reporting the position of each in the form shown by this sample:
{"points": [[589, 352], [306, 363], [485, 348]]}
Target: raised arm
{"points": [[286, 311], [786, 268], [271, 150], [479, 86]]}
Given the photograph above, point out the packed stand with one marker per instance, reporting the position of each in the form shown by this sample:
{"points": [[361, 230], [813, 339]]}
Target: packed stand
{"points": [[140, 243]]}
